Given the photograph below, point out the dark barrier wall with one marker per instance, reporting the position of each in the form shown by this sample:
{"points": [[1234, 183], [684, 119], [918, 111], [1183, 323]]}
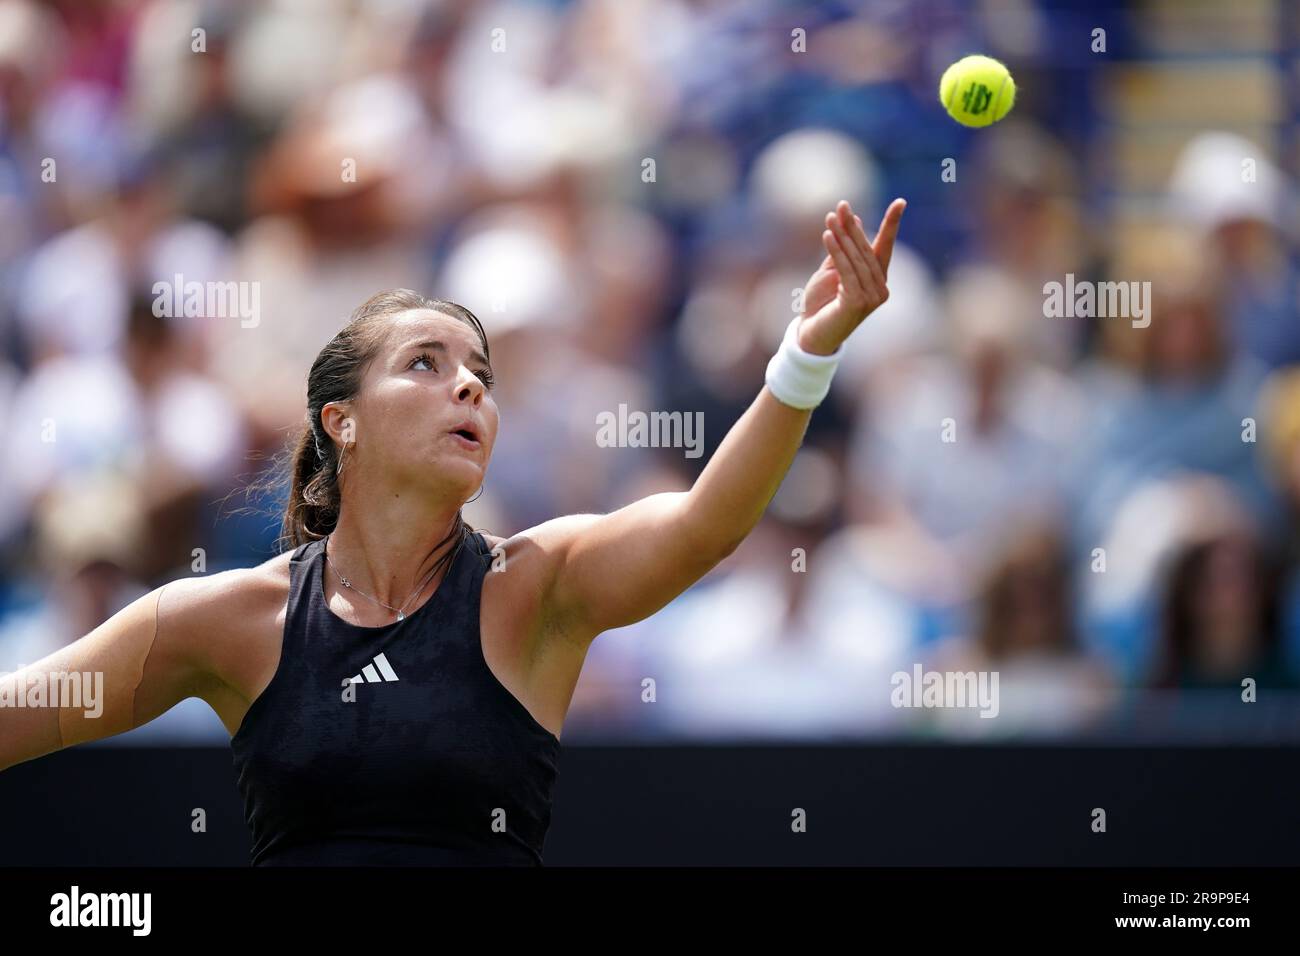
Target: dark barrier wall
{"points": [[661, 805]]}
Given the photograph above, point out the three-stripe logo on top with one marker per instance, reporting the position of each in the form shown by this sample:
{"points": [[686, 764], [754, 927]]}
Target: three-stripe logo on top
{"points": [[378, 672]]}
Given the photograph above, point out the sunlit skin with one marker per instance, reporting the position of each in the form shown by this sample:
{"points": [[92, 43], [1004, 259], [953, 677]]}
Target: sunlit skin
{"points": [[404, 479], [405, 475]]}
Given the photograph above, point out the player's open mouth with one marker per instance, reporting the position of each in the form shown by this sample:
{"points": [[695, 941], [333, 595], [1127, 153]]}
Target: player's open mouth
{"points": [[466, 434]]}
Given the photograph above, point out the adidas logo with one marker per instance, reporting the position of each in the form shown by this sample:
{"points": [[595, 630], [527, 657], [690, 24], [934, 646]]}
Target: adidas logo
{"points": [[369, 675]]}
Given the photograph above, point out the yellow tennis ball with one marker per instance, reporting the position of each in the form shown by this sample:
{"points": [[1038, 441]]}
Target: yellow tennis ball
{"points": [[977, 91]]}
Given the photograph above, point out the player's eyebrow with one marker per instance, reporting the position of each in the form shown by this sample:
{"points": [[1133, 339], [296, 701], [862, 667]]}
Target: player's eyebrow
{"points": [[438, 345]]}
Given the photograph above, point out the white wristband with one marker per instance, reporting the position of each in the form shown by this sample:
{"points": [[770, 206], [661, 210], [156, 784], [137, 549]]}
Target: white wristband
{"points": [[797, 378]]}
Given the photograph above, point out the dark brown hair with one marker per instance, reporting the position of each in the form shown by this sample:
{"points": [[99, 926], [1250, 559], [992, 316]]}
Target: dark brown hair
{"points": [[1181, 627], [1032, 560], [312, 510]]}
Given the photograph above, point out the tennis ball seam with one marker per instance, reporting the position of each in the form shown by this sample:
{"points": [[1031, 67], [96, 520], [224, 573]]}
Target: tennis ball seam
{"points": [[952, 91], [997, 100]]}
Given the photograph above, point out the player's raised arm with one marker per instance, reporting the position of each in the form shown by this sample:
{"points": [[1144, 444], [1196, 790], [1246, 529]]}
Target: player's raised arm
{"points": [[138, 664], [612, 570]]}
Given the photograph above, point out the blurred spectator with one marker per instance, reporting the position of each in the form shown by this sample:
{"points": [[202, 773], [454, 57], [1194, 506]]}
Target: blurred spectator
{"points": [[1023, 629], [77, 287], [1120, 581], [1173, 395], [1228, 190], [1280, 438], [755, 649], [990, 413], [31, 41], [189, 103], [87, 538], [144, 415], [1222, 617], [1029, 226]]}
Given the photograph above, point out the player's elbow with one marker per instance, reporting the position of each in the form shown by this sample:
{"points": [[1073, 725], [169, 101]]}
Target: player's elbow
{"points": [[711, 541]]}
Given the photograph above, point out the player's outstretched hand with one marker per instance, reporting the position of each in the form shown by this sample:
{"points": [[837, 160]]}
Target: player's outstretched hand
{"points": [[850, 284]]}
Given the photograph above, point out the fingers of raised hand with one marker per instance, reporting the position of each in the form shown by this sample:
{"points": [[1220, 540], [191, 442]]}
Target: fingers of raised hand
{"points": [[867, 288], [853, 223], [888, 232], [843, 265]]}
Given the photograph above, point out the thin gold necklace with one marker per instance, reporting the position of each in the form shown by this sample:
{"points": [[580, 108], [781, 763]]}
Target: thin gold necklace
{"points": [[399, 611]]}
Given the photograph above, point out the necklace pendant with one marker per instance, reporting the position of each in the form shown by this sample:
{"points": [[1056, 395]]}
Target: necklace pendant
{"points": [[401, 616]]}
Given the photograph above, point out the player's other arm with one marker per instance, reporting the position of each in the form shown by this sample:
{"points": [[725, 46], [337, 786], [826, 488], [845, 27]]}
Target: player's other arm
{"points": [[141, 662]]}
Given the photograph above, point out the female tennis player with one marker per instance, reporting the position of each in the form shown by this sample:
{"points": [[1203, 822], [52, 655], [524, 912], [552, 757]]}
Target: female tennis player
{"points": [[395, 685]]}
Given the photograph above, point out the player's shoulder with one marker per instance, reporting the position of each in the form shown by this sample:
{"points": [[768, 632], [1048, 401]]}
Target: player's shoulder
{"points": [[557, 527], [231, 597], [541, 539]]}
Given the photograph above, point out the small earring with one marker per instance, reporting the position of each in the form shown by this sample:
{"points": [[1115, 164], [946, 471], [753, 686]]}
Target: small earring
{"points": [[480, 491]]}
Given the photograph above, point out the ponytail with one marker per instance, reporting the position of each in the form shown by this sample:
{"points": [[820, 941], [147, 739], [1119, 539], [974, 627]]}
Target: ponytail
{"points": [[313, 507]]}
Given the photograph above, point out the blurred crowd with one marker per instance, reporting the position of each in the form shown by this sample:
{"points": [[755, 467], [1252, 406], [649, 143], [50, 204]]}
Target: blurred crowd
{"points": [[629, 194]]}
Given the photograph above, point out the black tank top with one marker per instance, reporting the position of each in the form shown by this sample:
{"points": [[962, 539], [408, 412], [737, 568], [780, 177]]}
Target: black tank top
{"points": [[434, 761]]}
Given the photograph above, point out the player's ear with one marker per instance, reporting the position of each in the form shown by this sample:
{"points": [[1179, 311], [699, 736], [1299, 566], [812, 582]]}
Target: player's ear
{"points": [[339, 423]]}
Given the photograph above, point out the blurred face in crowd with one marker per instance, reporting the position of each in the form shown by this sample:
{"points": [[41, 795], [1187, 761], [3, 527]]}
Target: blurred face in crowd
{"points": [[1185, 338], [1225, 606], [428, 381], [988, 362], [1035, 616], [1248, 245], [1026, 605]]}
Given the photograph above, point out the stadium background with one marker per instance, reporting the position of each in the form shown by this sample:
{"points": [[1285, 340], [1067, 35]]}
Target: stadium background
{"points": [[515, 183]]}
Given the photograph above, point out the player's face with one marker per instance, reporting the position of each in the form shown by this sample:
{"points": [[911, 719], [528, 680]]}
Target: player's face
{"points": [[425, 407]]}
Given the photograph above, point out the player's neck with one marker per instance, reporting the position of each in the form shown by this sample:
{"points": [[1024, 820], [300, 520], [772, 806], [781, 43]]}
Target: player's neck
{"points": [[387, 547]]}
